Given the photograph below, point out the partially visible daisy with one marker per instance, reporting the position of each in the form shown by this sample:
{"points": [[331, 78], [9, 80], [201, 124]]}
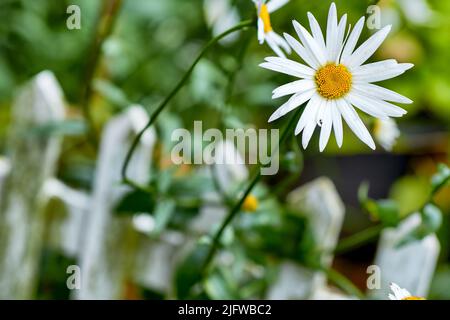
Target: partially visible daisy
{"points": [[335, 80], [220, 15], [386, 133], [265, 32], [401, 294]]}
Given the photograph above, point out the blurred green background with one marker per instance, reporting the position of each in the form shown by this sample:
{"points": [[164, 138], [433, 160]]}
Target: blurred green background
{"points": [[153, 42]]}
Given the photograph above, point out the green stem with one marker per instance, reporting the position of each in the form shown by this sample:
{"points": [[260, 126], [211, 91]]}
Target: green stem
{"points": [[164, 103], [365, 236], [358, 239], [236, 208], [105, 25], [342, 282]]}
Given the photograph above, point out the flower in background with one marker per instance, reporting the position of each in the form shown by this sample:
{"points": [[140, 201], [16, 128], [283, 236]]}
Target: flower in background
{"points": [[386, 133], [265, 31], [336, 80], [220, 15], [401, 294], [416, 12], [250, 203]]}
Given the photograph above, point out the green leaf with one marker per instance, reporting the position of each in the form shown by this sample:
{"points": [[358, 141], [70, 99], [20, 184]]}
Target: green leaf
{"points": [[388, 212], [134, 202], [188, 272], [163, 213], [65, 128], [431, 218], [218, 287], [440, 179], [363, 192], [112, 93]]}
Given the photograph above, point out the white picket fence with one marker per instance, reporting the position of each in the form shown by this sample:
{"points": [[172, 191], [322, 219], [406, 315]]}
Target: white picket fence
{"points": [[112, 251]]}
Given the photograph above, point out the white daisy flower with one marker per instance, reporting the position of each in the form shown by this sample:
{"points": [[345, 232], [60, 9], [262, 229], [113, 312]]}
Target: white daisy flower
{"points": [[401, 294], [335, 80], [265, 31], [220, 15], [386, 133]]}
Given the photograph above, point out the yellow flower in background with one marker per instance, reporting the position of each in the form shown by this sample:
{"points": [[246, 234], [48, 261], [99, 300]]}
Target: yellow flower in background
{"points": [[401, 294], [250, 203], [334, 80], [265, 30]]}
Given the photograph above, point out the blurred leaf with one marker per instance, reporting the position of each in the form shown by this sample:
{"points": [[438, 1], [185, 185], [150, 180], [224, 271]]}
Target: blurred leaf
{"points": [[135, 202], [112, 93], [218, 287], [65, 128], [410, 193], [431, 218], [440, 287], [440, 179], [431, 221], [188, 272], [163, 213], [386, 210]]}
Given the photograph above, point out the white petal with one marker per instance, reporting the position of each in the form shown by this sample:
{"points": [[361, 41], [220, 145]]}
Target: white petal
{"points": [[381, 93], [301, 51], [316, 31], [291, 104], [340, 39], [374, 67], [280, 42], [368, 48], [327, 124], [311, 125], [274, 5], [309, 114], [352, 40], [337, 124], [332, 31], [382, 73], [384, 107], [274, 46], [287, 66], [298, 86], [260, 31], [354, 122], [365, 106], [310, 44]]}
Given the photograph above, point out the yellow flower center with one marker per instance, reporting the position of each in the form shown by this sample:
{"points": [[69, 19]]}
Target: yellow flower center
{"points": [[413, 298], [250, 203], [333, 81], [265, 16]]}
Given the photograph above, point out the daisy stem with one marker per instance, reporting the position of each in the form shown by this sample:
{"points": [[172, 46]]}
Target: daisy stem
{"points": [[236, 208], [342, 282], [105, 25], [358, 239], [165, 102]]}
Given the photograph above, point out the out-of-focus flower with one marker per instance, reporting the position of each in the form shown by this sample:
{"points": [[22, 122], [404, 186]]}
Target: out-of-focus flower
{"points": [[265, 30], [401, 294], [336, 80], [220, 15], [386, 133], [250, 203], [417, 12]]}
